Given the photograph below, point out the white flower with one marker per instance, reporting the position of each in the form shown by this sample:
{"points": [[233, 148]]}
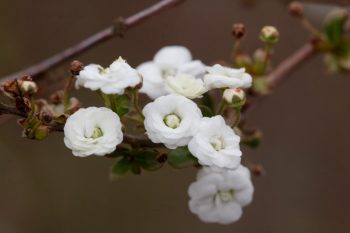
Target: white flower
{"points": [[112, 80], [168, 61], [93, 131], [224, 77], [216, 144], [172, 120], [186, 85], [153, 82], [219, 195], [171, 57]]}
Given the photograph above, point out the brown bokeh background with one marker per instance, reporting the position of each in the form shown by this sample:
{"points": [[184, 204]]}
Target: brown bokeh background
{"points": [[305, 149]]}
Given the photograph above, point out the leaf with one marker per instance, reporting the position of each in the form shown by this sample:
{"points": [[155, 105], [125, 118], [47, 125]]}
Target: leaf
{"points": [[251, 139], [122, 105], [206, 111], [135, 169], [121, 167], [181, 158], [207, 100], [334, 26], [147, 160], [118, 153]]}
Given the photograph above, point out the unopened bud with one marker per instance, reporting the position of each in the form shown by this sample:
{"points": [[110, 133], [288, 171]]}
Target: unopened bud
{"points": [[28, 87], [238, 30], [23, 104], [46, 117], [76, 67], [258, 170], [243, 60], [41, 132], [259, 55], [269, 34], [296, 9], [57, 97], [234, 97]]}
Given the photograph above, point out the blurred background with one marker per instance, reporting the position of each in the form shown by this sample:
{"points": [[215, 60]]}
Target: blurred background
{"points": [[305, 148]]}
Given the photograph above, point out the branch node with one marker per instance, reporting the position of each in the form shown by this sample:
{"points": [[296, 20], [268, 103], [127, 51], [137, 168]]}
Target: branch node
{"points": [[120, 27]]}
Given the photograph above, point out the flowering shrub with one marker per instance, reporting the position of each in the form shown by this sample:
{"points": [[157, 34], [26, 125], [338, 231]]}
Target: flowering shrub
{"points": [[190, 114]]}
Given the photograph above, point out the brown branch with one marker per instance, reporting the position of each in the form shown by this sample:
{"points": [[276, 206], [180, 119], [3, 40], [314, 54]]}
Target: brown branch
{"points": [[139, 141], [118, 29], [129, 139], [286, 66], [5, 109]]}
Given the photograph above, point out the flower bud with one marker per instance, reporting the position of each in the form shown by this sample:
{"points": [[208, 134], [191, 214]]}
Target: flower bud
{"points": [[76, 67], [269, 34], [238, 30], [28, 87], [41, 132], [234, 97], [57, 97], [243, 60], [259, 55], [296, 9], [257, 170]]}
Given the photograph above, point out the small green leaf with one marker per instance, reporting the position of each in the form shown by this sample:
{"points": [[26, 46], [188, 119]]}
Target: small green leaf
{"points": [[207, 100], [118, 153], [334, 26], [251, 139], [135, 169], [121, 167], [147, 160], [261, 85], [122, 105], [181, 158], [206, 111]]}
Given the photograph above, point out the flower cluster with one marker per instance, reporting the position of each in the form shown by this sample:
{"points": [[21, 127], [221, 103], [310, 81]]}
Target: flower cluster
{"points": [[174, 81]]}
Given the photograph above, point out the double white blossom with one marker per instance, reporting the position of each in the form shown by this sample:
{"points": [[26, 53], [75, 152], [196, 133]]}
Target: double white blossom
{"points": [[112, 80], [169, 61], [186, 85], [216, 144], [93, 131], [224, 77], [171, 120], [219, 195]]}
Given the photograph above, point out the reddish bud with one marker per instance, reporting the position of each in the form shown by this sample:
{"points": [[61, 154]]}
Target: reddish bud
{"points": [[296, 9], [76, 67], [238, 30]]}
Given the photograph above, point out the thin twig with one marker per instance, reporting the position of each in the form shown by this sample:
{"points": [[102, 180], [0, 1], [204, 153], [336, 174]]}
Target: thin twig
{"points": [[288, 64], [117, 29], [5, 109], [130, 139]]}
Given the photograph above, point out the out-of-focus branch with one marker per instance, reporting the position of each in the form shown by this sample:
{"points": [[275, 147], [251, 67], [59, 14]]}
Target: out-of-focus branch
{"points": [[287, 65], [118, 29], [129, 139], [5, 109]]}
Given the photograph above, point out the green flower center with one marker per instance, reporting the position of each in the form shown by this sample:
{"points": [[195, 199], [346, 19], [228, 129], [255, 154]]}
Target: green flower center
{"points": [[217, 143], [172, 120], [226, 196], [97, 133], [102, 70]]}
